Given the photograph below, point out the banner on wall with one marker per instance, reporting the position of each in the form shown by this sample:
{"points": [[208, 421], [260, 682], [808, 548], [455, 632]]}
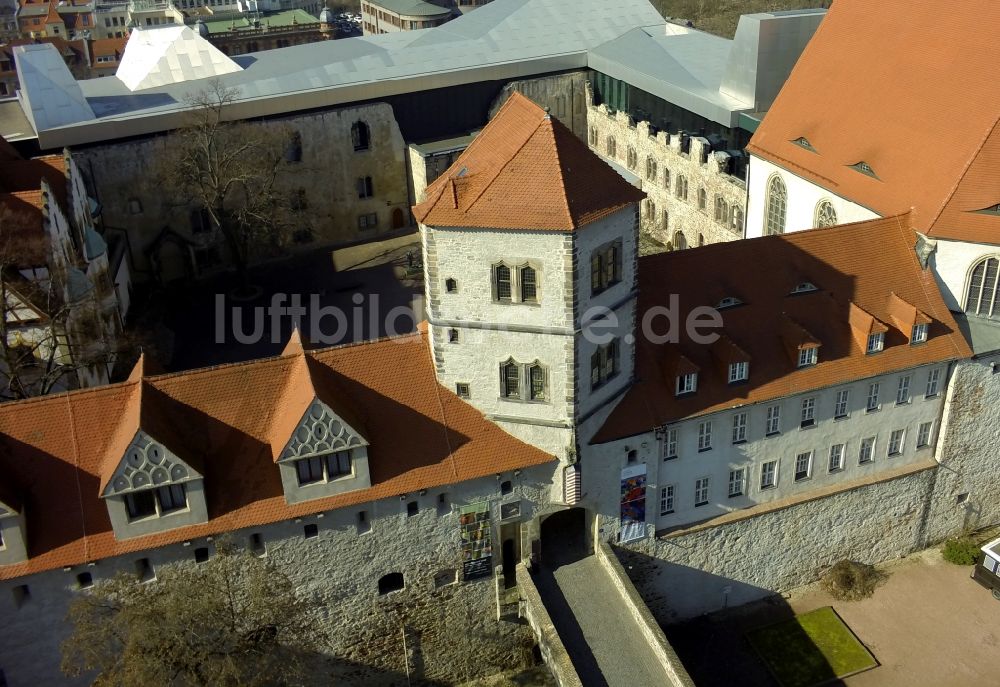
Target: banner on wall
{"points": [[633, 503], [477, 549]]}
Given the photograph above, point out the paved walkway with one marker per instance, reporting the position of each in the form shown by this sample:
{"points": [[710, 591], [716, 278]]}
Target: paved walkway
{"points": [[602, 638]]}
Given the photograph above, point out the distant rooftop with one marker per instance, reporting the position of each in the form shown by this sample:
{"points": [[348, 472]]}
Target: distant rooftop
{"points": [[242, 22], [411, 8]]}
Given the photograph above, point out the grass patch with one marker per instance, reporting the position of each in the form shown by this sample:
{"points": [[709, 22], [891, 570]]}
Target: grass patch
{"points": [[811, 649]]}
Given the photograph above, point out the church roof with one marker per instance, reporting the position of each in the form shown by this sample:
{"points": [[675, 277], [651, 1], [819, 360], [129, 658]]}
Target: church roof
{"points": [[525, 170], [909, 90], [421, 436], [861, 278]]}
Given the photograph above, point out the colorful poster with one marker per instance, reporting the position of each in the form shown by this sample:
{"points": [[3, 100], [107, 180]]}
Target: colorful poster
{"points": [[633, 503], [477, 550]]}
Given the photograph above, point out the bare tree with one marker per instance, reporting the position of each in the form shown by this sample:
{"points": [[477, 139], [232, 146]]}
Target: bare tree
{"points": [[233, 620], [46, 335], [230, 170]]}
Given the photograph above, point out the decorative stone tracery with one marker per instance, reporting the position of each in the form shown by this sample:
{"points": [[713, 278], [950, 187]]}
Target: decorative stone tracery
{"points": [[148, 464], [319, 432]]}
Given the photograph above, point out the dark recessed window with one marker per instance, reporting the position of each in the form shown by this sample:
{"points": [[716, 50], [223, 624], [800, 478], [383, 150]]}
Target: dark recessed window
{"points": [[364, 525], [201, 554], [392, 582], [506, 487], [450, 285], [462, 390], [412, 508], [311, 530], [84, 580], [22, 595], [257, 545], [144, 570]]}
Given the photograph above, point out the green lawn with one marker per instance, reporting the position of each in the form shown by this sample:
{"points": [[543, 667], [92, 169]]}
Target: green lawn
{"points": [[811, 649]]}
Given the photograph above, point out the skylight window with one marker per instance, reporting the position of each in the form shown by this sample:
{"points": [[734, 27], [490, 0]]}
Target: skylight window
{"points": [[803, 287], [728, 302], [803, 142], [864, 168]]}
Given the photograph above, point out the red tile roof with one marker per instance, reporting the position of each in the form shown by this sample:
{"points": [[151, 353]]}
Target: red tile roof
{"points": [[864, 268], [909, 88], [525, 170], [421, 436]]}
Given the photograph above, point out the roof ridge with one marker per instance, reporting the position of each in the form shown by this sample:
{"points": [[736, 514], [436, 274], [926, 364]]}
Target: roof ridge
{"points": [[559, 164]]}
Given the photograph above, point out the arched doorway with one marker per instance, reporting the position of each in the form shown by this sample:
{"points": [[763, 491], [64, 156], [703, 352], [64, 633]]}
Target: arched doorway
{"points": [[564, 537], [398, 222]]}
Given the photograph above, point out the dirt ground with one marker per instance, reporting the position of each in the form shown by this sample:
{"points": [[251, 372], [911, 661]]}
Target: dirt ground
{"points": [[928, 624]]}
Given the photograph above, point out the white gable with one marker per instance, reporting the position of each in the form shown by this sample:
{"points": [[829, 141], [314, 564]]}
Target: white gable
{"points": [[55, 96], [147, 463], [170, 54], [321, 431]]}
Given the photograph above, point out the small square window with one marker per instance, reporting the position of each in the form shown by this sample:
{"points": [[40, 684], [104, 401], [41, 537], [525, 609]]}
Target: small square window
{"points": [[364, 524], [412, 508], [506, 487], [144, 570], [450, 286], [84, 580], [452, 336], [310, 531], [443, 508], [257, 545]]}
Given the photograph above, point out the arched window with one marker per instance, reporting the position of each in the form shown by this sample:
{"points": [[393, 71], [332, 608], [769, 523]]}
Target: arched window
{"points": [[612, 146], [702, 199], [981, 297], [680, 243], [392, 582], [593, 136], [651, 209], [510, 379], [701, 239], [360, 136], [721, 210], [631, 158], [666, 178], [737, 221], [651, 169], [529, 285], [501, 283], [536, 380], [826, 216], [776, 206]]}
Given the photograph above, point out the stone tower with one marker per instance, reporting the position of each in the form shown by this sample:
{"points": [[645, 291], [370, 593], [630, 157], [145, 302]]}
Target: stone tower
{"points": [[528, 239]]}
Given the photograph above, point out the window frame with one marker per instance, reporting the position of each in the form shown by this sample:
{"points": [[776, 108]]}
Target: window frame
{"points": [[326, 476], [933, 388], [839, 455], [872, 403], [702, 486], [876, 343], [739, 372], [667, 494], [807, 417], [740, 422], [772, 425], [800, 474], [993, 312], [681, 384], [775, 206], [605, 363], [841, 404], [925, 431], [737, 482], [903, 396], [768, 475], [896, 443], [918, 334], [606, 266], [808, 356], [670, 443], [866, 450], [704, 436]]}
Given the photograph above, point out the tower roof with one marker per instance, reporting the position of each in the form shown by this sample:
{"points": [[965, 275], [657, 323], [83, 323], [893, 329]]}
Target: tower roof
{"points": [[526, 170]]}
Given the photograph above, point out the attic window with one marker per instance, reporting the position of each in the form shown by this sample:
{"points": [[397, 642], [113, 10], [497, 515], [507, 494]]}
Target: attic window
{"points": [[808, 356], [728, 302], [875, 342], [865, 169], [991, 210], [803, 142], [803, 287], [687, 384], [739, 372], [919, 334]]}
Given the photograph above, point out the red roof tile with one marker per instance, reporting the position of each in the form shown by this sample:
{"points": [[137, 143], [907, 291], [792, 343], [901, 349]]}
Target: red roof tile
{"points": [[525, 170], [862, 268], [909, 88], [421, 436]]}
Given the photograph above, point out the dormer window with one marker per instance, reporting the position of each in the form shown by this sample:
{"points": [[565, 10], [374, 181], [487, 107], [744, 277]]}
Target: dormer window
{"points": [[808, 356], [865, 169], [875, 342], [728, 302], [918, 334], [156, 502], [802, 287], [738, 372], [324, 468], [803, 142], [687, 384]]}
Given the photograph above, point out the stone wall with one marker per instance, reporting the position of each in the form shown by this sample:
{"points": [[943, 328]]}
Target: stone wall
{"points": [[451, 627], [121, 174], [554, 653], [657, 159], [564, 94]]}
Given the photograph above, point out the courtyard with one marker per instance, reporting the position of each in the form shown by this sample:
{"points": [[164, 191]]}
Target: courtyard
{"points": [[927, 624]]}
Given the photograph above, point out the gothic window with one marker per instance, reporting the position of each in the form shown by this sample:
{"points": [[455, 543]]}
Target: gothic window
{"points": [[776, 206], [681, 189], [666, 178], [593, 136], [701, 239], [721, 210], [360, 136], [612, 146], [981, 296], [536, 378], [450, 285], [826, 216], [737, 220], [606, 266], [631, 158], [651, 169], [702, 199], [510, 380], [502, 290], [529, 285], [651, 209], [680, 243]]}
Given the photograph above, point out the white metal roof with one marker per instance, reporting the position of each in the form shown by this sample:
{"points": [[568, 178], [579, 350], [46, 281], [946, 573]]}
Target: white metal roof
{"points": [[170, 54]]}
